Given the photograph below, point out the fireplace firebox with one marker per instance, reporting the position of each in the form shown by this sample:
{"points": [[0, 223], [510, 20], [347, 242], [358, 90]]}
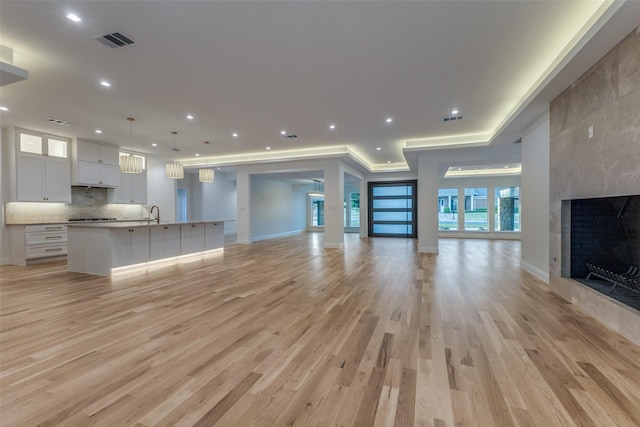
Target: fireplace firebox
{"points": [[604, 236]]}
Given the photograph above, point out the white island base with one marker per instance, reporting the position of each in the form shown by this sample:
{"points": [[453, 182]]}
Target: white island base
{"points": [[98, 248]]}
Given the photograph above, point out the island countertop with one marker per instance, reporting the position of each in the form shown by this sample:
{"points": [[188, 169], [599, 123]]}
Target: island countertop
{"points": [[139, 223]]}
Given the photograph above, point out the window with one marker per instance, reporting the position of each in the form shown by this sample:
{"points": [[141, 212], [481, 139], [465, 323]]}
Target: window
{"points": [[182, 202], [317, 211], [475, 209], [392, 209], [507, 209], [448, 209], [352, 210]]}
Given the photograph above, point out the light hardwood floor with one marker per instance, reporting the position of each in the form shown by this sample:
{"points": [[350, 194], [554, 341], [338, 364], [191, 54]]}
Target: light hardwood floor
{"points": [[284, 332]]}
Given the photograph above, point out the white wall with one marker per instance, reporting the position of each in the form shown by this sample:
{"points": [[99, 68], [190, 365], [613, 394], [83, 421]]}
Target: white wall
{"points": [[219, 201], [161, 191], [278, 208], [4, 197], [534, 195]]}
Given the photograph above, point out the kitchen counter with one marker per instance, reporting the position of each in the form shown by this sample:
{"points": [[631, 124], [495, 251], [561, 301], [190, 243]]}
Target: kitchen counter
{"points": [[138, 223], [99, 247]]}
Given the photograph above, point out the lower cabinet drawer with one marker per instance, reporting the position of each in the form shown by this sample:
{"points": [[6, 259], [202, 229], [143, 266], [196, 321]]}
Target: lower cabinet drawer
{"points": [[46, 250], [41, 238]]}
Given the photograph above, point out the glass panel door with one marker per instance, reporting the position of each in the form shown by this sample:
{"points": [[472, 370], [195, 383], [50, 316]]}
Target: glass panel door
{"points": [[392, 209]]}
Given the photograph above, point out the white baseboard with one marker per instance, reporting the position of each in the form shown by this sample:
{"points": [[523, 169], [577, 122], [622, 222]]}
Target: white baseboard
{"points": [[243, 242], [334, 245], [275, 236], [428, 249], [542, 275]]}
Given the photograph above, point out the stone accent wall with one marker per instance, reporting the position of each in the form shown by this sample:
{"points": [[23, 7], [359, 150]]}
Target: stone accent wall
{"points": [[606, 98]]}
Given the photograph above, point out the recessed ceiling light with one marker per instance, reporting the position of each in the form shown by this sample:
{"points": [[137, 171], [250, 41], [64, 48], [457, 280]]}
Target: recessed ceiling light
{"points": [[197, 154], [378, 148], [3, 108], [235, 135], [153, 144], [455, 111], [283, 132], [98, 131], [189, 117], [105, 83], [459, 169], [332, 126], [218, 168], [73, 17], [268, 148], [388, 161], [389, 120]]}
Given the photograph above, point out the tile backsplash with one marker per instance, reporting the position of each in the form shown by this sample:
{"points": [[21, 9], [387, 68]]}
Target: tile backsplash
{"points": [[85, 203]]}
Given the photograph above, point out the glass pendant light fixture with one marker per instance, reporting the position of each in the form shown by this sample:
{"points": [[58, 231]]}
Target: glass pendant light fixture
{"points": [[128, 162], [174, 169], [206, 174]]}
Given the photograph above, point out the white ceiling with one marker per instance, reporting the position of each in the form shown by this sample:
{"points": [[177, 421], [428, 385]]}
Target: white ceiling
{"points": [[257, 68]]}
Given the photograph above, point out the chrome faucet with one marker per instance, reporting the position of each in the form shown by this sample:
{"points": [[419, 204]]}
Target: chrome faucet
{"points": [[157, 213]]}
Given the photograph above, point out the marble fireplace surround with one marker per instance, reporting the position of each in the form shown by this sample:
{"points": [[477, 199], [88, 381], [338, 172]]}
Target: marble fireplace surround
{"points": [[603, 103]]}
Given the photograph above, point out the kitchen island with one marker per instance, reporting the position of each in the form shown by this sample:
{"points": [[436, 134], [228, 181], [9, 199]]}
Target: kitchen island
{"points": [[97, 248]]}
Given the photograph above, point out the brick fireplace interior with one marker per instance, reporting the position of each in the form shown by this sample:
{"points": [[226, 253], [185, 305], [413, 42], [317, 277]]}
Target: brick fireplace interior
{"points": [[604, 232]]}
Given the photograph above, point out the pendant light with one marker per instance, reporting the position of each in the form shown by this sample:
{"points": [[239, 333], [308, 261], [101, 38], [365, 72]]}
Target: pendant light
{"points": [[174, 169], [128, 162], [206, 174]]}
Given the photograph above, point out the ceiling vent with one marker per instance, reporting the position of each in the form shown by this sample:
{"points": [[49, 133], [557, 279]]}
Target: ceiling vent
{"points": [[175, 149], [290, 136], [114, 39], [57, 121], [518, 141], [452, 118]]}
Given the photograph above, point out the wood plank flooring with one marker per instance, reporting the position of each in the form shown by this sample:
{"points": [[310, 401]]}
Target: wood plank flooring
{"points": [[286, 333]]}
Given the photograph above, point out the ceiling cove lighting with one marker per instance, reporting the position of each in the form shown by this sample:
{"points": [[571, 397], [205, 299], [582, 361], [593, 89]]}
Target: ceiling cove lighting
{"points": [[493, 170], [105, 83], [206, 174], [73, 17], [128, 162], [174, 169]]}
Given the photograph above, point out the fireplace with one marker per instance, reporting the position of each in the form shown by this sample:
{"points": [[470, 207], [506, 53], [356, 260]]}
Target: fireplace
{"points": [[604, 239]]}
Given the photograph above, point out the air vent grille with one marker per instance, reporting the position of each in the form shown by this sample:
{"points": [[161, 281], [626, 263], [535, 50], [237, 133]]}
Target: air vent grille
{"points": [[175, 149], [114, 39], [57, 121], [290, 136], [452, 118]]}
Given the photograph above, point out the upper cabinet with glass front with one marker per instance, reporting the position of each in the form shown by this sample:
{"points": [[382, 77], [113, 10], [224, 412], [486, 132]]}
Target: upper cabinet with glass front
{"points": [[42, 169]]}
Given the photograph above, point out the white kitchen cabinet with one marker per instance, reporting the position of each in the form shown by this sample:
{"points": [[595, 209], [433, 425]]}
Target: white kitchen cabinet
{"points": [[164, 242], [37, 243], [191, 238], [95, 152], [95, 164], [129, 246], [40, 167], [213, 235], [132, 189], [97, 174]]}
